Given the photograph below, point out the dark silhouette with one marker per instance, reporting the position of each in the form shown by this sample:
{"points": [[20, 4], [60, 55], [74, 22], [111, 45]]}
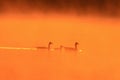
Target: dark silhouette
{"points": [[49, 48], [61, 48], [75, 48]]}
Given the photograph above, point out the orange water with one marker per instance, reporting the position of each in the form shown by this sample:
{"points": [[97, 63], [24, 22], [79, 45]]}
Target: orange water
{"points": [[99, 38]]}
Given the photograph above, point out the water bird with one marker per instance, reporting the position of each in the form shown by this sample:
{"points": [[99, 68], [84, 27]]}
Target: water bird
{"points": [[49, 47], [75, 48]]}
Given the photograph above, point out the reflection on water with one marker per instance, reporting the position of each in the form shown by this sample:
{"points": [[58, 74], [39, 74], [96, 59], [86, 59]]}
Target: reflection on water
{"points": [[44, 65]]}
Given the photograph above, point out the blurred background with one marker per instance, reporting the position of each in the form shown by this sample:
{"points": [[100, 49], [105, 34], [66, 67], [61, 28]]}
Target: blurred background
{"points": [[102, 7], [95, 24]]}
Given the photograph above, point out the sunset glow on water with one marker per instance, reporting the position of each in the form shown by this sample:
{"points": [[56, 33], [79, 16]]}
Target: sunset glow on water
{"points": [[98, 37], [22, 33]]}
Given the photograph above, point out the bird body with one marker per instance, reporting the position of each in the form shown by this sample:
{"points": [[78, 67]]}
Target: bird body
{"points": [[49, 48], [61, 48]]}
